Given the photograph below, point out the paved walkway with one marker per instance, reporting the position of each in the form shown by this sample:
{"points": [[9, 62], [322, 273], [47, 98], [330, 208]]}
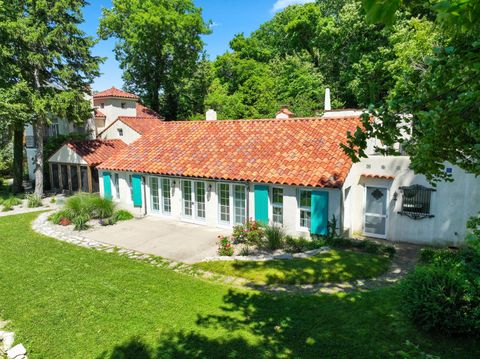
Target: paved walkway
{"points": [[404, 260], [179, 241]]}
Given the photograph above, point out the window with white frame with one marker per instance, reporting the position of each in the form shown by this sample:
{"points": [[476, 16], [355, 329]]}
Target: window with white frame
{"points": [[131, 186], [239, 201], [277, 205], [116, 183], [187, 198], [224, 202], [120, 131], [166, 196], [304, 204], [154, 195]]}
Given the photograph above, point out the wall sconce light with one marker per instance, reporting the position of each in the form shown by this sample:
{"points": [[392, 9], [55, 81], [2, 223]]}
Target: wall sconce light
{"points": [[209, 188], [395, 196], [174, 182]]}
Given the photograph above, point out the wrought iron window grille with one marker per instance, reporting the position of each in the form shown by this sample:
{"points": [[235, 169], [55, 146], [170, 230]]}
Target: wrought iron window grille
{"points": [[416, 201]]}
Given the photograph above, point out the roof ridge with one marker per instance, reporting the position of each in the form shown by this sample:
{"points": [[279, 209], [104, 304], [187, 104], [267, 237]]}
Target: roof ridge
{"points": [[293, 119]]}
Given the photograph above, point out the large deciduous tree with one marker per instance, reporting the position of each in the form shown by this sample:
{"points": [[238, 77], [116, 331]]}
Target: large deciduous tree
{"points": [[158, 46], [51, 66], [438, 103]]}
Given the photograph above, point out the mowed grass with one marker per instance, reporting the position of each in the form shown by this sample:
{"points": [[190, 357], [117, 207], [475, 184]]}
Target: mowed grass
{"points": [[65, 301], [333, 266]]}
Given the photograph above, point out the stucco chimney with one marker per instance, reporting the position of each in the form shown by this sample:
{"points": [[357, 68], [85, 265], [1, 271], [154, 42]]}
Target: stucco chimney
{"points": [[211, 115], [284, 113], [328, 105]]}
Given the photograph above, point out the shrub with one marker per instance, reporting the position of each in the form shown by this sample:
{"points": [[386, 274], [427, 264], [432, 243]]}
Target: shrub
{"points": [[122, 215], [251, 232], [274, 237], [296, 245], [11, 201], [107, 221], [7, 208], [56, 217], [364, 245], [33, 200], [100, 207], [53, 200], [438, 298], [225, 246], [80, 222]]}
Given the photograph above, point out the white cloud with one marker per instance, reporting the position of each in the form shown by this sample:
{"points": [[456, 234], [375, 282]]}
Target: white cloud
{"points": [[282, 4]]}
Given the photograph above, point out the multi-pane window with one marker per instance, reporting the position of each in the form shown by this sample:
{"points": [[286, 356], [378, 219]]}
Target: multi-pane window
{"points": [[116, 182], [166, 198], [239, 198], [224, 201], [305, 202], [154, 193], [200, 199], [131, 186], [277, 205], [187, 198]]}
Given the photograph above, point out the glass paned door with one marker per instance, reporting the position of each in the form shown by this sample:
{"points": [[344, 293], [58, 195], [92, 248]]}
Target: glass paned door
{"points": [[224, 202], [376, 212], [166, 197], [200, 200], [187, 198], [155, 198], [239, 198]]}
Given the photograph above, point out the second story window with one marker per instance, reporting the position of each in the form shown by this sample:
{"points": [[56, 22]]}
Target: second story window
{"points": [[102, 105], [123, 104], [120, 131]]}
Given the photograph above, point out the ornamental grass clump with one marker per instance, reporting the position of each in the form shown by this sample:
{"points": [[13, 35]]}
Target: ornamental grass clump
{"points": [[122, 215], [10, 202], [33, 200], [274, 237]]}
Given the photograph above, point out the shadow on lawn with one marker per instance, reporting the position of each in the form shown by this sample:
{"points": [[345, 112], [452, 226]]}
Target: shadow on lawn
{"points": [[257, 325], [327, 267]]}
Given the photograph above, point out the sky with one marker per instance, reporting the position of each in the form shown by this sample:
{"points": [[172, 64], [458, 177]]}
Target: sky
{"points": [[229, 17]]}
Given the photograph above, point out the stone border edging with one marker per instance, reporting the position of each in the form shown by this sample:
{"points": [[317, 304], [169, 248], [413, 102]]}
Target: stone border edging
{"points": [[270, 257], [397, 270], [7, 349]]}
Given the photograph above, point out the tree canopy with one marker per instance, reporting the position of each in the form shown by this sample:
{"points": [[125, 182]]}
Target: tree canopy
{"points": [[158, 47]]}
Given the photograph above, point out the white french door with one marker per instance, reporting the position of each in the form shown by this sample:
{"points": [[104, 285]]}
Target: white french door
{"points": [[160, 195], [232, 204], [193, 199], [375, 223]]}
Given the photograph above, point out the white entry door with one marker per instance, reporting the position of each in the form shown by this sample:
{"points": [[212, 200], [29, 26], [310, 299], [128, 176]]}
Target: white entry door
{"points": [[375, 224]]}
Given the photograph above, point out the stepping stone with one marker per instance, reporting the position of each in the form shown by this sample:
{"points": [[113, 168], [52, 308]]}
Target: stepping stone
{"points": [[8, 340], [16, 352]]}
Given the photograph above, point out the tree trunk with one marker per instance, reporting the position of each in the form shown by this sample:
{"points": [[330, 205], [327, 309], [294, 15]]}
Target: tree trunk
{"points": [[38, 130], [17, 157]]}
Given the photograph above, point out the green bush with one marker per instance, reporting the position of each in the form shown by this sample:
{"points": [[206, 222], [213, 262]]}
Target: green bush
{"points": [[251, 233], [225, 246], [364, 245], [10, 202], [122, 215], [33, 200], [297, 245], [438, 298], [80, 222], [274, 237], [56, 217]]}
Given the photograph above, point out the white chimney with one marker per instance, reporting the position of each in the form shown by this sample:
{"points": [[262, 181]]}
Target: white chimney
{"points": [[328, 105], [211, 115]]}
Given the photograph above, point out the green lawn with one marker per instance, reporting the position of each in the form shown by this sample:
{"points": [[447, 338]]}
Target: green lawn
{"points": [[70, 302], [334, 266]]}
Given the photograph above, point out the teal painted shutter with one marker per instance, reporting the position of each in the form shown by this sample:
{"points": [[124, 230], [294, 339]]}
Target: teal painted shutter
{"points": [[137, 190], [319, 219], [107, 185], [261, 203]]}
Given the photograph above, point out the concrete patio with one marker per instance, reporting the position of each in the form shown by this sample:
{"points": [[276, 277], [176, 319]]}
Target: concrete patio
{"points": [[180, 241]]}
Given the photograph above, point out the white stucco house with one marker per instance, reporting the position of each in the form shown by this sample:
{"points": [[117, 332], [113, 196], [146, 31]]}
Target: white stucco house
{"points": [[116, 114], [289, 171]]}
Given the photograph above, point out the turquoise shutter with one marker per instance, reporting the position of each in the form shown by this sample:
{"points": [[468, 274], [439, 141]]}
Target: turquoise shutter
{"points": [[137, 190], [261, 203], [107, 185], [319, 219]]}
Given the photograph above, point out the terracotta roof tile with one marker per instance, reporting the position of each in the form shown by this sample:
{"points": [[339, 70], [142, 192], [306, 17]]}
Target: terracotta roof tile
{"points": [[94, 152], [143, 111], [302, 152], [114, 92], [139, 124], [98, 113], [385, 177]]}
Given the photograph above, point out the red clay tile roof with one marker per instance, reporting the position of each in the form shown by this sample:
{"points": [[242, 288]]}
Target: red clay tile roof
{"points": [[303, 152], [385, 177], [139, 124], [98, 113], [143, 111], [95, 152], [114, 92]]}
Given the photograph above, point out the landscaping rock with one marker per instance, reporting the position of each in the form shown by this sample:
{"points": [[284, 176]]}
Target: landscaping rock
{"points": [[283, 256], [316, 251], [8, 339], [301, 255], [16, 352]]}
